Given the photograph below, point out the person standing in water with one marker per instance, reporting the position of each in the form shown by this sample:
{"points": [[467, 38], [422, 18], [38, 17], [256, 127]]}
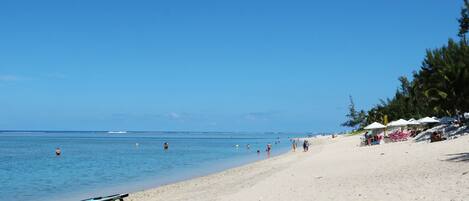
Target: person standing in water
{"points": [[269, 147], [166, 146], [58, 151]]}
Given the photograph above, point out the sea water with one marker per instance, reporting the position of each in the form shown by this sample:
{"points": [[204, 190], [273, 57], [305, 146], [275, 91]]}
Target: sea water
{"points": [[100, 163]]}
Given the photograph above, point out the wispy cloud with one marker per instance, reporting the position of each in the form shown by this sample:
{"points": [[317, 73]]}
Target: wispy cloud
{"points": [[10, 78], [171, 116], [259, 116], [174, 115], [55, 75], [38, 77]]}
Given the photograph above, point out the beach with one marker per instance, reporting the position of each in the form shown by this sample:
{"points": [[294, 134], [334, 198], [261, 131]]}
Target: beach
{"points": [[337, 169]]}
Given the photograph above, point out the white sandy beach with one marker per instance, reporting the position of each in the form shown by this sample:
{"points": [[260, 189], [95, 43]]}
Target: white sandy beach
{"points": [[337, 169]]}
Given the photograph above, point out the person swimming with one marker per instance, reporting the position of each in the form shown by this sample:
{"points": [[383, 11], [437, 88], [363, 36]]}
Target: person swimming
{"points": [[166, 146], [58, 151]]}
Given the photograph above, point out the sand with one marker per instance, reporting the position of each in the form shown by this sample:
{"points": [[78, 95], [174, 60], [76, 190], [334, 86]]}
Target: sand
{"points": [[337, 169]]}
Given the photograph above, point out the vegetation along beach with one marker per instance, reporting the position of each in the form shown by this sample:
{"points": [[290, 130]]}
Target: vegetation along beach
{"points": [[116, 100]]}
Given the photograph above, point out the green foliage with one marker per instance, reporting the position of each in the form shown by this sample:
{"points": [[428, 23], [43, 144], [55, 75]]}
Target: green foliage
{"points": [[355, 118], [464, 20], [440, 87]]}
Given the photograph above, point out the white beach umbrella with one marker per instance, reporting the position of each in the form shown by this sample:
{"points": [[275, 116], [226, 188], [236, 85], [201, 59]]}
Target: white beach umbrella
{"points": [[375, 125], [427, 120], [400, 122], [413, 122]]}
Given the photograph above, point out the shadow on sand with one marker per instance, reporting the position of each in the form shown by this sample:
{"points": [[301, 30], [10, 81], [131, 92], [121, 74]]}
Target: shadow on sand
{"points": [[459, 157]]}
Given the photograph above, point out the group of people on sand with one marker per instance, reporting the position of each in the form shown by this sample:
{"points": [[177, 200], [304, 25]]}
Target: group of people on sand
{"points": [[305, 145]]}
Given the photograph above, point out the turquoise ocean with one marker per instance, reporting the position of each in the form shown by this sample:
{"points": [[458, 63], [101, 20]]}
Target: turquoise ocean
{"points": [[101, 163]]}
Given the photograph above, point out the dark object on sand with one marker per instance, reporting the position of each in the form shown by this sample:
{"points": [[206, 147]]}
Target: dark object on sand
{"points": [[436, 137], [116, 197]]}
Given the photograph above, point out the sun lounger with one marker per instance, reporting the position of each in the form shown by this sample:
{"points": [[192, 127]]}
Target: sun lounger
{"points": [[116, 197], [399, 136]]}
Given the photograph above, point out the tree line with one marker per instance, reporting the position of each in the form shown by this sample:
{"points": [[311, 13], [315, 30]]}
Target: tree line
{"points": [[439, 88]]}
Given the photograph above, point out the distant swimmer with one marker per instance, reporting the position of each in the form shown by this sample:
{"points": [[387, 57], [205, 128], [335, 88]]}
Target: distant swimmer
{"points": [[58, 151], [258, 152], [248, 146], [166, 146], [269, 147]]}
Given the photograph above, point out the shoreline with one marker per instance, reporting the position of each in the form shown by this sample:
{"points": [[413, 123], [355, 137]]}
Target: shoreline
{"points": [[212, 178], [336, 169], [139, 186]]}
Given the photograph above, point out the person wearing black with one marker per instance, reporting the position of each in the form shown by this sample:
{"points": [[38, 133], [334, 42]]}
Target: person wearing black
{"points": [[58, 151], [305, 145]]}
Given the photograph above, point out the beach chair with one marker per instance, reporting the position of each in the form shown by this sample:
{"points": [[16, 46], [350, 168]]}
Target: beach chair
{"points": [[394, 136], [116, 197]]}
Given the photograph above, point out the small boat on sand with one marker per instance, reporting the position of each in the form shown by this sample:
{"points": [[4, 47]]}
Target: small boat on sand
{"points": [[116, 197]]}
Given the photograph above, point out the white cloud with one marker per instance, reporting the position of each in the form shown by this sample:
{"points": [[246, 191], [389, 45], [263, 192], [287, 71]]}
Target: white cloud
{"points": [[9, 78], [255, 116], [174, 115]]}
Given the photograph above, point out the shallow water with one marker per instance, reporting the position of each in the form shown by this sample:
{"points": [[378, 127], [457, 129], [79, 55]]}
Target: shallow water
{"points": [[97, 163]]}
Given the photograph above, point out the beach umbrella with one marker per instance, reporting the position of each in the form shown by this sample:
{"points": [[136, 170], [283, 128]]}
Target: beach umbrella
{"points": [[413, 122], [375, 125], [427, 120], [400, 122]]}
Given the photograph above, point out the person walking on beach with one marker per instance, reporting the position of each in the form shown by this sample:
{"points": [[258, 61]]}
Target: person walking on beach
{"points": [[305, 145], [58, 151], [293, 145], [166, 146]]}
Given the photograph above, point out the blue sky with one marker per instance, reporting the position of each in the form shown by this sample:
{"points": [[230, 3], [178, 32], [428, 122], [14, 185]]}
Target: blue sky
{"points": [[208, 65]]}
